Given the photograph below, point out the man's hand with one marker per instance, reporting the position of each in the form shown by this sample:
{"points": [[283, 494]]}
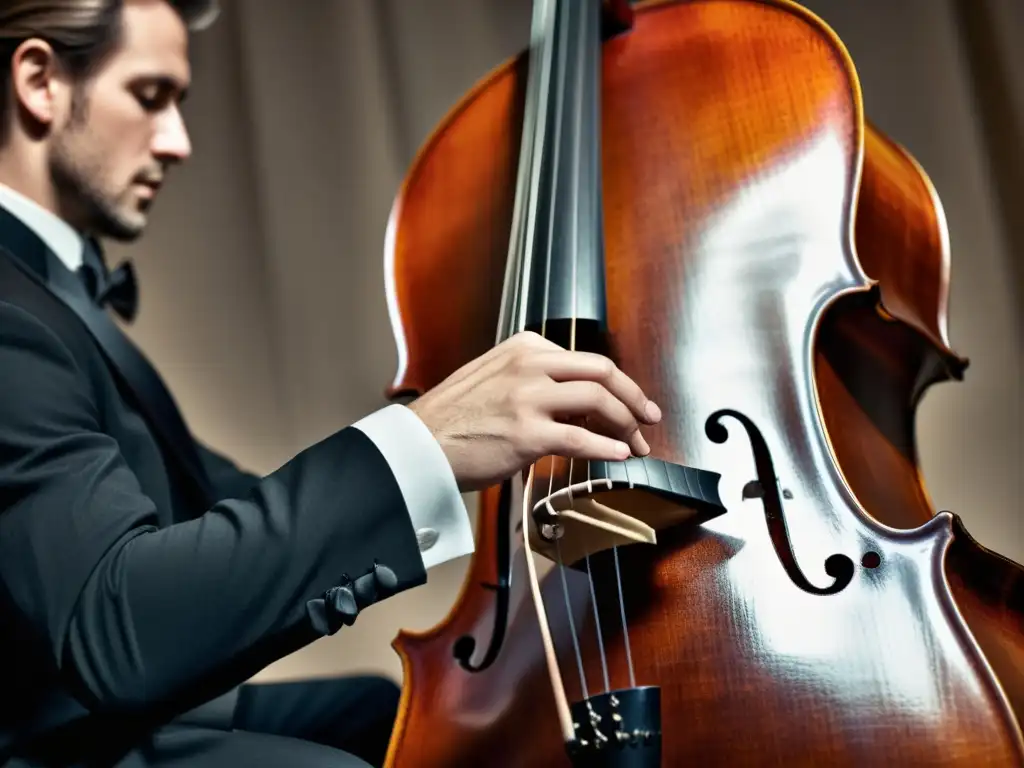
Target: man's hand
{"points": [[512, 406]]}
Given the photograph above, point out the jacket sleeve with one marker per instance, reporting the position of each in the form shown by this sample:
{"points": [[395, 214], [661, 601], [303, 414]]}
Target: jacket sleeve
{"points": [[139, 617], [428, 485], [226, 477]]}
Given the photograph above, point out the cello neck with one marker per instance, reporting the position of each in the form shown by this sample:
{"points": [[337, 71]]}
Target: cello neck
{"points": [[555, 282]]}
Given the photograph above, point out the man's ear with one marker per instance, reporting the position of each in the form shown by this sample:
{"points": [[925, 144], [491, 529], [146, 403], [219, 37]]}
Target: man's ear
{"points": [[37, 88]]}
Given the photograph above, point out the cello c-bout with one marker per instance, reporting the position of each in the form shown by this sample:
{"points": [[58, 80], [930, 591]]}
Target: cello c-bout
{"points": [[692, 188]]}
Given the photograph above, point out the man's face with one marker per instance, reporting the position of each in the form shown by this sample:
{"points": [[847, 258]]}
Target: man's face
{"points": [[109, 156]]}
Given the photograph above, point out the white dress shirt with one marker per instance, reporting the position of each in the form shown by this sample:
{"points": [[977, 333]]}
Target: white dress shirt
{"points": [[425, 477]]}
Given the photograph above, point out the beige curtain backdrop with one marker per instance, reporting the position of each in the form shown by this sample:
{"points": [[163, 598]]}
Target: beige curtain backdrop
{"points": [[262, 288]]}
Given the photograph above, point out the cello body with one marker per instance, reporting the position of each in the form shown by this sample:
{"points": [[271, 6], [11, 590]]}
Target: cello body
{"points": [[776, 275]]}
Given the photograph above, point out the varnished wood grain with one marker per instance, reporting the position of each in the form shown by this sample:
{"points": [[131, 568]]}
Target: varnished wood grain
{"points": [[875, 363], [732, 143]]}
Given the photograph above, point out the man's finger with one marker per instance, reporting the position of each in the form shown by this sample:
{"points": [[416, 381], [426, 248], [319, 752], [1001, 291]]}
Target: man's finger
{"points": [[574, 442], [569, 366], [591, 401]]}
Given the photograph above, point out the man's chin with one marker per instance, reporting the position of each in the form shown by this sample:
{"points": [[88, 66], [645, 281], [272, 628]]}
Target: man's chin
{"points": [[125, 229]]}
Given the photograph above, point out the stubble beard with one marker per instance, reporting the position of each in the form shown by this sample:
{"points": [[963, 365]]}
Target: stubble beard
{"points": [[78, 175]]}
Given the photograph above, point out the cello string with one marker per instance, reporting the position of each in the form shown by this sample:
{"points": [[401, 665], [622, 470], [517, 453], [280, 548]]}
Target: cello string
{"points": [[597, 625], [618, 583], [581, 61], [572, 622], [595, 51], [622, 600], [622, 613], [541, 42], [552, 211]]}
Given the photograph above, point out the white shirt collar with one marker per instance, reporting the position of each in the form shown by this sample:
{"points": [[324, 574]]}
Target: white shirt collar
{"points": [[61, 238]]}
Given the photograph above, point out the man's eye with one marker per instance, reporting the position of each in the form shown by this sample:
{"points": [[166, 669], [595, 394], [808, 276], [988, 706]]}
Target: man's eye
{"points": [[152, 99]]}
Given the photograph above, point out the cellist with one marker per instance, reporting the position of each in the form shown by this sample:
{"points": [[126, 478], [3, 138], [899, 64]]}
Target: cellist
{"points": [[146, 578]]}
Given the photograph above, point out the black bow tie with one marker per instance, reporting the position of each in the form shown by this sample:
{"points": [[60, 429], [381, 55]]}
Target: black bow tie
{"points": [[115, 288]]}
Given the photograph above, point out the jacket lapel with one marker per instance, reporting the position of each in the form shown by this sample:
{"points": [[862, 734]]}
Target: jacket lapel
{"points": [[125, 359]]}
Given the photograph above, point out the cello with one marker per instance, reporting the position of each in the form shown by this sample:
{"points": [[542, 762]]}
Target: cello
{"points": [[691, 187]]}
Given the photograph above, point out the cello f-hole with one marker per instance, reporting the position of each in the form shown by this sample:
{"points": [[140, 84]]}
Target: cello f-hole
{"points": [[463, 648], [838, 566]]}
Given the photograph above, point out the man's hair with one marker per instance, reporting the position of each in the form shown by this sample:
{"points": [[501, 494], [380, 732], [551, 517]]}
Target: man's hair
{"points": [[82, 34]]}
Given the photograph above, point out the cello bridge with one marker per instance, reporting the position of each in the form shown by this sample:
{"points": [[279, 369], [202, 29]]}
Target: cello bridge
{"points": [[621, 503]]}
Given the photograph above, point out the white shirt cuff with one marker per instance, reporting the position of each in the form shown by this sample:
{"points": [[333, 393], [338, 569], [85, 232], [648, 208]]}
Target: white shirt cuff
{"points": [[425, 477]]}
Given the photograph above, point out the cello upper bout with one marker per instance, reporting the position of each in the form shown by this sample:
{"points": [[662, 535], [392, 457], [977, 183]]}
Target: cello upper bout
{"points": [[902, 241], [448, 233]]}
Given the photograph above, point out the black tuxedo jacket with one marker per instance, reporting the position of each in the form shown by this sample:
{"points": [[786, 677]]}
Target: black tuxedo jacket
{"points": [[141, 573]]}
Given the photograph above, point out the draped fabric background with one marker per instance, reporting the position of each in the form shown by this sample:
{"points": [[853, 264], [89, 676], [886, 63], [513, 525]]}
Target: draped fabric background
{"points": [[262, 286]]}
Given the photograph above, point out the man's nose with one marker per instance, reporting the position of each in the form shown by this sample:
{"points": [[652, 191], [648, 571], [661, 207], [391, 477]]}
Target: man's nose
{"points": [[171, 141]]}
